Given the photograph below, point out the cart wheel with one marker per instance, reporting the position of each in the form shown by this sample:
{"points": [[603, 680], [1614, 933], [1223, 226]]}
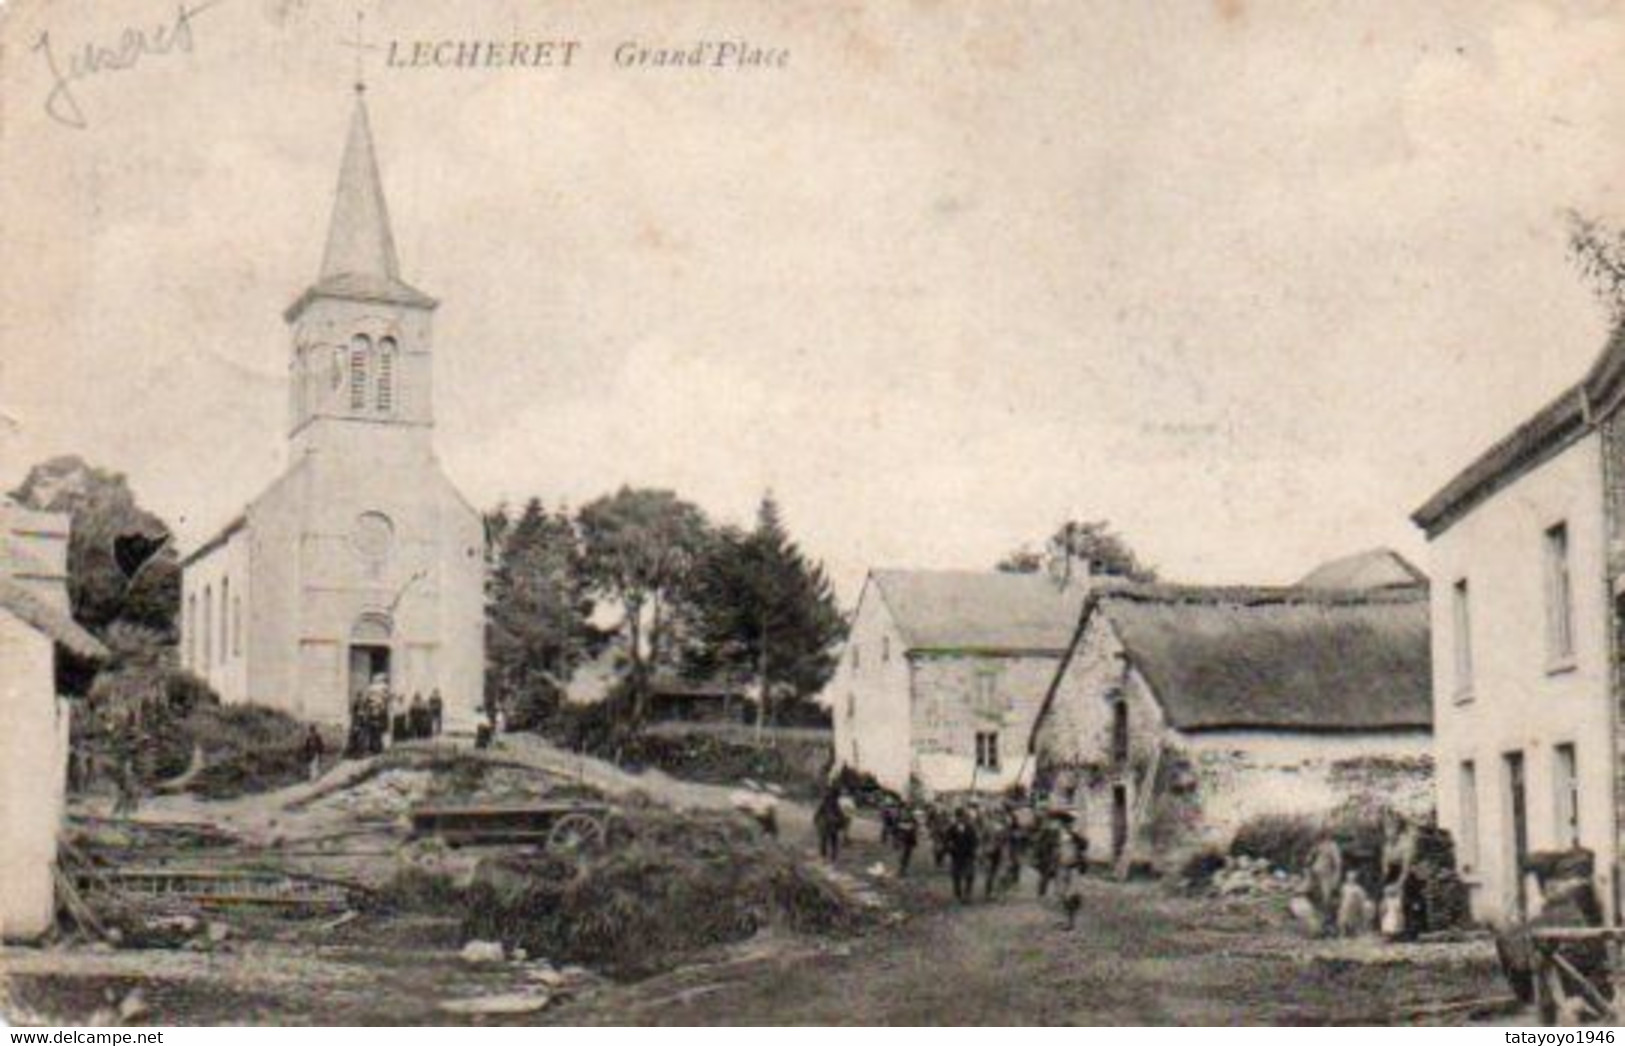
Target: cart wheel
{"points": [[576, 833]]}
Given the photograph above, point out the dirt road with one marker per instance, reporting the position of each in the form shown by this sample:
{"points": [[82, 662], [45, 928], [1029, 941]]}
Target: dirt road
{"points": [[1138, 956]]}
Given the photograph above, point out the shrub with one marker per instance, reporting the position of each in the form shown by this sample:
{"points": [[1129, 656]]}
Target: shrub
{"points": [[684, 882], [1284, 840]]}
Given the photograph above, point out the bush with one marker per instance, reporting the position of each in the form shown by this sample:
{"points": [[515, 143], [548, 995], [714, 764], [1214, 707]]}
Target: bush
{"points": [[246, 749], [683, 883], [1284, 840]]}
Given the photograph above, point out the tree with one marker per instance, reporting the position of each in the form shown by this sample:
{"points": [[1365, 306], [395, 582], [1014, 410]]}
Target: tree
{"points": [[1599, 253], [122, 565], [1090, 542], [762, 612], [638, 549], [537, 612]]}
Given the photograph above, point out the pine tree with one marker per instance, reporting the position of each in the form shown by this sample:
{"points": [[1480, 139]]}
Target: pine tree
{"points": [[763, 614]]}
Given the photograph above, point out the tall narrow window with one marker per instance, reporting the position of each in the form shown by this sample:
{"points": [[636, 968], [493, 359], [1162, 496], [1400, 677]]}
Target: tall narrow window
{"points": [[1119, 731], [1467, 803], [1566, 780], [386, 375], [237, 626], [208, 627], [1462, 637], [191, 631], [360, 349], [1559, 597], [225, 619]]}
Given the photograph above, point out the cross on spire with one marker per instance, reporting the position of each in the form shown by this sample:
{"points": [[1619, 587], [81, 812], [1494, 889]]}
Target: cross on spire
{"points": [[360, 46]]}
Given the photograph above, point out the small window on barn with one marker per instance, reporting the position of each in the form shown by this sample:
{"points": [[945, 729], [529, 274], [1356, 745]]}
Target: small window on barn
{"points": [[856, 661], [1119, 731], [1467, 804], [851, 705], [987, 751], [225, 619], [237, 626], [885, 648], [1559, 598], [1462, 638]]}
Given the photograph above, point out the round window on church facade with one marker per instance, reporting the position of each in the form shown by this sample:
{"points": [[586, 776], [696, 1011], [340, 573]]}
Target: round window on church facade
{"points": [[373, 535]]}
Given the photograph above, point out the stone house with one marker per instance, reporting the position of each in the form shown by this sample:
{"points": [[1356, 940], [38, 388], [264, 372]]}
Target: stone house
{"points": [[1527, 549], [942, 673], [362, 559], [1177, 713], [34, 620]]}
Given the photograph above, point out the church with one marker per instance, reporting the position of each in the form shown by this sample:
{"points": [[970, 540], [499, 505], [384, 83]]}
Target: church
{"points": [[362, 559]]}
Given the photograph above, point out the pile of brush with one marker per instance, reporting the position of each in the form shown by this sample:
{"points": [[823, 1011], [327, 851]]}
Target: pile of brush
{"points": [[681, 883]]}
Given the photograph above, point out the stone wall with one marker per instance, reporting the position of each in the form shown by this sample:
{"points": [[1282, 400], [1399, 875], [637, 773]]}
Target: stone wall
{"points": [[957, 696]]}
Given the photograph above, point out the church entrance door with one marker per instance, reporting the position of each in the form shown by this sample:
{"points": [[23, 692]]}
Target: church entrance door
{"points": [[367, 661]]}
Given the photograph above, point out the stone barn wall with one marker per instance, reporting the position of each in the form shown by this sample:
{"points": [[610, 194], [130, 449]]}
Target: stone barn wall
{"points": [[957, 696], [1209, 783]]}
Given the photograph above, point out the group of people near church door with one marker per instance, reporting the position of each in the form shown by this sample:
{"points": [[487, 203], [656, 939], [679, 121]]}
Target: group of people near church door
{"points": [[380, 717], [983, 837]]}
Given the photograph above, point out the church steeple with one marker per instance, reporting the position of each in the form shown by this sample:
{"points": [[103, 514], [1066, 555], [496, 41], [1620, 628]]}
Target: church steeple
{"points": [[361, 334], [359, 262], [359, 240]]}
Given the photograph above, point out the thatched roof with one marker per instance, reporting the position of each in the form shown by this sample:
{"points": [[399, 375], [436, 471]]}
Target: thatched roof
{"points": [[1378, 568], [979, 611], [1276, 658], [45, 618]]}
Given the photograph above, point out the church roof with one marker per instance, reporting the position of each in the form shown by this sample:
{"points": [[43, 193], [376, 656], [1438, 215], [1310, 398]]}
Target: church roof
{"points": [[359, 261]]}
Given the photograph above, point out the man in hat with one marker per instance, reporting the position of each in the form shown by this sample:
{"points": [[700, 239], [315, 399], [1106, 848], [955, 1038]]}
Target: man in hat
{"points": [[906, 834], [960, 840]]}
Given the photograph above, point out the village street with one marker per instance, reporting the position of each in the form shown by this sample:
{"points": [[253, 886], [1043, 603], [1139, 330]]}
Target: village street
{"points": [[1138, 956], [1142, 953]]}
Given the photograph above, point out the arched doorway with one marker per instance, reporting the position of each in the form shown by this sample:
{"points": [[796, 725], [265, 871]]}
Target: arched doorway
{"points": [[370, 650]]}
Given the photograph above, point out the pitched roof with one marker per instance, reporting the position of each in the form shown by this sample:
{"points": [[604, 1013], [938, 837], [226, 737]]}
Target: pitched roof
{"points": [[1378, 568], [1275, 658], [56, 624], [1568, 417], [991, 611], [359, 261]]}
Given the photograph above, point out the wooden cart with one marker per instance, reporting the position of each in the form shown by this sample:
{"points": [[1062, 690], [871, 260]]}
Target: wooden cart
{"points": [[563, 826]]}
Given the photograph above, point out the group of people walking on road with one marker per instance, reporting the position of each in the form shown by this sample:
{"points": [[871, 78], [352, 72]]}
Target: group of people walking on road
{"points": [[379, 717], [993, 838]]}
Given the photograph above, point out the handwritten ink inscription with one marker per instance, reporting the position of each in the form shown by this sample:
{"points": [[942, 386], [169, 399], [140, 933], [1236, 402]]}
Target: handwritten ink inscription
{"points": [[62, 103]]}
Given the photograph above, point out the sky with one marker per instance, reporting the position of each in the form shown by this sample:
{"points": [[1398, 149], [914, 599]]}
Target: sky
{"points": [[1249, 280]]}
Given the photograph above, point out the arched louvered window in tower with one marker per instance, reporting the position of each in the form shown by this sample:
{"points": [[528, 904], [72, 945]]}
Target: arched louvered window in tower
{"points": [[360, 349], [386, 375]]}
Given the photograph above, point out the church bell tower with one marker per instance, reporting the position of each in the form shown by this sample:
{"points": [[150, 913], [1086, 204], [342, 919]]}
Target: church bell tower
{"points": [[360, 369]]}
